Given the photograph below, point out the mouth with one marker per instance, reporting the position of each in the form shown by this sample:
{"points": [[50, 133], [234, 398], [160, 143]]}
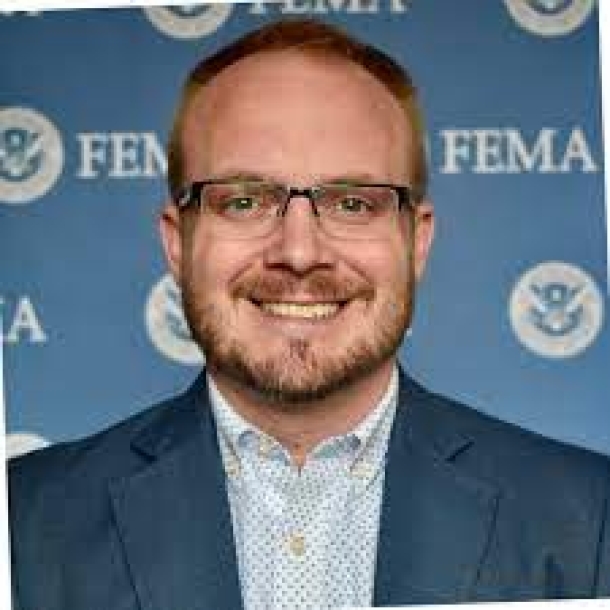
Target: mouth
{"points": [[301, 311]]}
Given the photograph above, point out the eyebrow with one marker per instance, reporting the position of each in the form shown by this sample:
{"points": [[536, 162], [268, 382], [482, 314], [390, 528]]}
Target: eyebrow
{"points": [[362, 178], [247, 175], [240, 175]]}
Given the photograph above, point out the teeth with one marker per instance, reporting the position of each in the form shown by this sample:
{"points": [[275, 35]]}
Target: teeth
{"points": [[300, 310]]}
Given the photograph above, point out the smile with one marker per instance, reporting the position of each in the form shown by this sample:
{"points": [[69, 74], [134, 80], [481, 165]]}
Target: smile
{"points": [[301, 310]]}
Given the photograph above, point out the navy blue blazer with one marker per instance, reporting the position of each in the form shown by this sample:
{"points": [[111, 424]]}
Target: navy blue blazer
{"points": [[137, 517]]}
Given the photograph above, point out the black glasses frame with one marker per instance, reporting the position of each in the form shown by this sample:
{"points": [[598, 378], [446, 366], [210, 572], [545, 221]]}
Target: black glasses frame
{"points": [[191, 193]]}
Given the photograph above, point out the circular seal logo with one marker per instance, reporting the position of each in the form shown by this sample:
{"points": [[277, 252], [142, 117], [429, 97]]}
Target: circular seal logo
{"points": [[550, 17], [189, 20], [31, 155], [18, 443], [556, 310], [167, 325]]}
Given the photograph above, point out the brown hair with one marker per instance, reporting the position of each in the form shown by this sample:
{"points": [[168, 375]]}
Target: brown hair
{"points": [[315, 38]]}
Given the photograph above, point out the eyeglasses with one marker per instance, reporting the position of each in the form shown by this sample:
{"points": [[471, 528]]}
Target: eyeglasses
{"points": [[254, 208]]}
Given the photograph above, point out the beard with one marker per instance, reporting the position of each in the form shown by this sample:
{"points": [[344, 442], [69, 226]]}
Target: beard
{"points": [[303, 369]]}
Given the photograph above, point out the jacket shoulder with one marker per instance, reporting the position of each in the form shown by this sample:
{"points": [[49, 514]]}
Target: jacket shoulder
{"points": [[84, 464], [522, 464]]}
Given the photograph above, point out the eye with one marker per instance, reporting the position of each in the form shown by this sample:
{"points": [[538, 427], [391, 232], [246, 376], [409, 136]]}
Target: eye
{"points": [[240, 206], [351, 205]]}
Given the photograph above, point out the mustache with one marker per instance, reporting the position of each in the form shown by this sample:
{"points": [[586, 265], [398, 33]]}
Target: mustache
{"points": [[320, 285]]}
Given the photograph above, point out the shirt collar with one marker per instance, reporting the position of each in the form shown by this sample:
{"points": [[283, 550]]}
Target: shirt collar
{"points": [[369, 436], [368, 427], [230, 424]]}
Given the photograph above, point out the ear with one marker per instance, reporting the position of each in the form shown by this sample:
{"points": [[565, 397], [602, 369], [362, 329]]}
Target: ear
{"points": [[171, 238], [422, 236]]}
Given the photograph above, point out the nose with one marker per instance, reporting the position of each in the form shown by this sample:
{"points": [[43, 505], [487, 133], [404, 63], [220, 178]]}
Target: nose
{"points": [[299, 244]]}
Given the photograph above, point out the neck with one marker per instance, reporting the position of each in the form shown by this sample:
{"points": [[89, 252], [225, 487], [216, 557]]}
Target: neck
{"points": [[299, 428]]}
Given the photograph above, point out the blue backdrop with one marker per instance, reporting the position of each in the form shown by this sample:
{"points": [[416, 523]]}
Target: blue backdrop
{"points": [[510, 318]]}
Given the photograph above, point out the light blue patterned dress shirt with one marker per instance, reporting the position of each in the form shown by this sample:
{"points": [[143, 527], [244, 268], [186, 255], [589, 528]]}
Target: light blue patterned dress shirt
{"points": [[305, 538]]}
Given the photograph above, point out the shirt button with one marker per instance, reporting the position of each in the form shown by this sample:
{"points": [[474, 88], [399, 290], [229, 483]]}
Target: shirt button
{"points": [[362, 471], [296, 544], [264, 447], [232, 468]]}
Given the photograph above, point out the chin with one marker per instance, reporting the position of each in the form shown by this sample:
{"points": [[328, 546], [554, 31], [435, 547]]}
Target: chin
{"points": [[299, 373]]}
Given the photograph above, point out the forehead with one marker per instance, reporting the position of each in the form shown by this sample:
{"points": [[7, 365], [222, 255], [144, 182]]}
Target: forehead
{"points": [[287, 105]]}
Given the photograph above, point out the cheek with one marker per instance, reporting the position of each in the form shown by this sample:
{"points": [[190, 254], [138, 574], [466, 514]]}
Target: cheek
{"points": [[215, 264], [386, 265]]}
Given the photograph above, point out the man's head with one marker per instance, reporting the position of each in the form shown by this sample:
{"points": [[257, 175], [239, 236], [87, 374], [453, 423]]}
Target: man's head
{"points": [[312, 304]]}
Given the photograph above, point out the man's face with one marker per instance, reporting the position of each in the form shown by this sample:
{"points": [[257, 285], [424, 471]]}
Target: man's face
{"points": [[297, 314]]}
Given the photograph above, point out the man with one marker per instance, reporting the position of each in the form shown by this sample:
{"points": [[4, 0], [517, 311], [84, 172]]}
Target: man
{"points": [[303, 469]]}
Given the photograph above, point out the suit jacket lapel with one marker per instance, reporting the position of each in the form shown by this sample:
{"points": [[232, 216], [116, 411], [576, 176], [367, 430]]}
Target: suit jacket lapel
{"points": [[173, 515], [435, 521]]}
